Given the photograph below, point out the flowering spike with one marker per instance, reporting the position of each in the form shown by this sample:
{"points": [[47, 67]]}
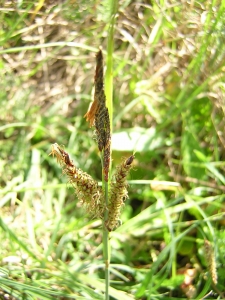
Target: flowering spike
{"points": [[87, 190], [118, 193], [210, 257], [98, 115]]}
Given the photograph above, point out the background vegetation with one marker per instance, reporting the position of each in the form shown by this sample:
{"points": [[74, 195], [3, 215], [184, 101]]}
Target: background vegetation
{"points": [[169, 63]]}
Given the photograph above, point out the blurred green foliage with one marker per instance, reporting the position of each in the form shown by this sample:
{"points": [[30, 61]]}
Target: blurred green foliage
{"points": [[168, 109]]}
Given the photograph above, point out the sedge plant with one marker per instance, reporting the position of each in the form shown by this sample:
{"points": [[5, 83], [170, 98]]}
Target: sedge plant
{"points": [[104, 203], [100, 202]]}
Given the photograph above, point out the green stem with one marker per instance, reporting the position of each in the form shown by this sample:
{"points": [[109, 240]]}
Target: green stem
{"points": [[109, 104], [109, 62], [106, 247]]}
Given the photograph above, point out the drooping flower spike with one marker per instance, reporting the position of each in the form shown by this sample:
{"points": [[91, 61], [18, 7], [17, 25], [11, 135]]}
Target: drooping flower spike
{"points": [[86, 188]]}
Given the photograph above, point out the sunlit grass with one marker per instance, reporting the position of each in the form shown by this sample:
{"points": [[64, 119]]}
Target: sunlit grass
{"points": [[168, 107]]}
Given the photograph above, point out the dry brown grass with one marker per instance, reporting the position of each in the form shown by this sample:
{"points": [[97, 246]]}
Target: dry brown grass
{"points": [[151, 57]]}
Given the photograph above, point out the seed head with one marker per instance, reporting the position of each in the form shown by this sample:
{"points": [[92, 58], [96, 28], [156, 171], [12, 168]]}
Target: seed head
{"points": [[211, 261], [118, 193], [86, 188]]}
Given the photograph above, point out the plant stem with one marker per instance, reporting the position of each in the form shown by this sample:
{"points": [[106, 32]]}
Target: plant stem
{"points": [[109, 104], [106, 247], [109, 62]]}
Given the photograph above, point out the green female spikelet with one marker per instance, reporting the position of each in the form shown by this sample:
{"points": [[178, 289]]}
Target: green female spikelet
{"points": [[210, 258], [118, 193], [86, 188]]}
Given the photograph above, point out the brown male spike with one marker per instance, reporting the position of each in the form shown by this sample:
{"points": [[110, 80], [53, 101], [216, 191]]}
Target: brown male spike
{"points": [[98, 115]]}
